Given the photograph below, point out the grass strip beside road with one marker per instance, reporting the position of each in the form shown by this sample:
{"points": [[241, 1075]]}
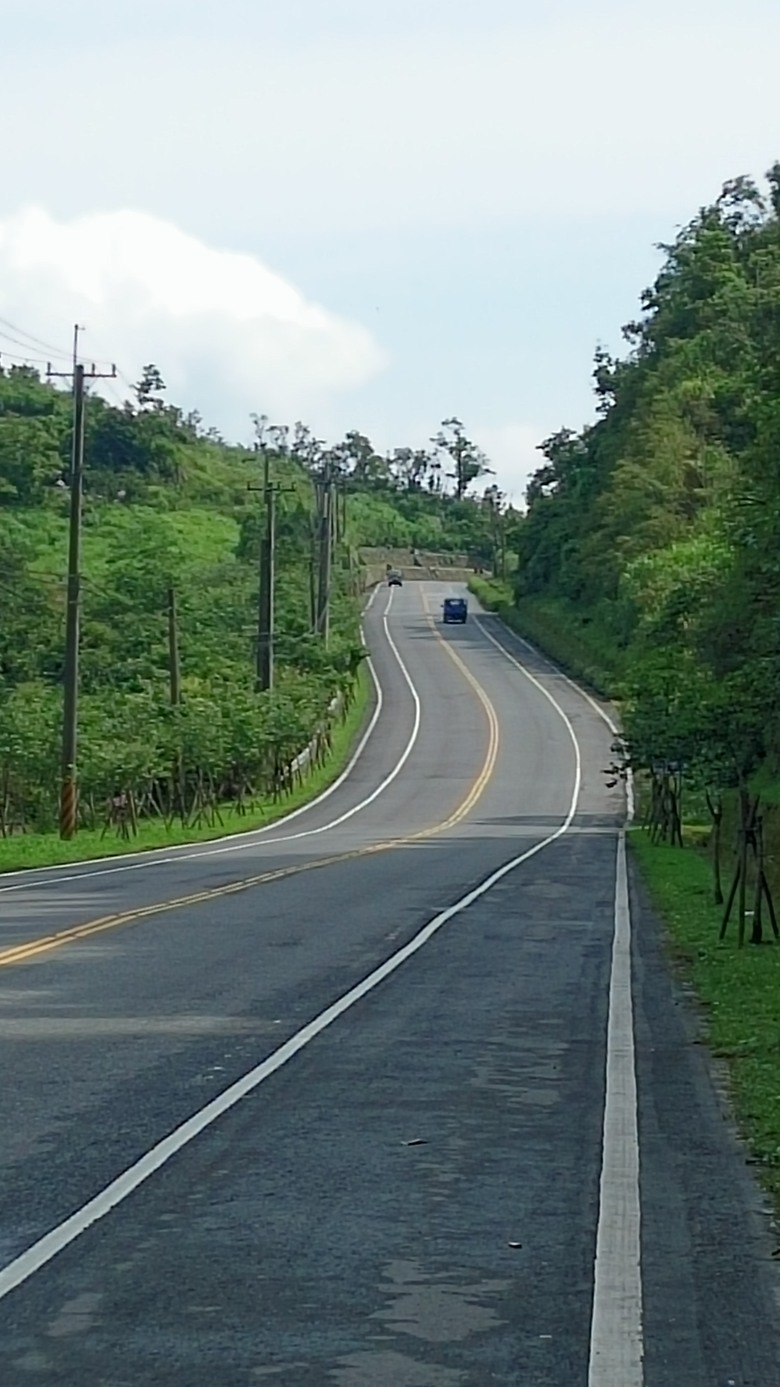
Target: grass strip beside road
{"points": [[48, 849], [739, 990]]}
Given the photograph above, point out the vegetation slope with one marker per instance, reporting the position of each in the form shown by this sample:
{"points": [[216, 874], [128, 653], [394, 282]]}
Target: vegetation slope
{"points": [[172, 519]]}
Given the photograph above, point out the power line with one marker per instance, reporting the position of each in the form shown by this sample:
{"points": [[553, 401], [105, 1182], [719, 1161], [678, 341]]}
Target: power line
{"points": [[37, 341], [23, 360], [120, 375], [119, 403], [19, 342], [116, 400]]}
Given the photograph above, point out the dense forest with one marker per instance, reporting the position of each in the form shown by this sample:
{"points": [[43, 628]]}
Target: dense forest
{"points": [[172, 518], [649, 556]]}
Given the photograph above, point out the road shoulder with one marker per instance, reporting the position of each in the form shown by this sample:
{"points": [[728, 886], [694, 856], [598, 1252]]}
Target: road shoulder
{"points": [[711, 1286]]}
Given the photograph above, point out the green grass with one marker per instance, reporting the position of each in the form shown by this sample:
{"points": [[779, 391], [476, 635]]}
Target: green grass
{"points": [[739, 990], [48, 850]]}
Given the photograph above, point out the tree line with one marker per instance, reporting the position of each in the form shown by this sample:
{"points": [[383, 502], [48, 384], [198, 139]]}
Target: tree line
{"points": [[169, 522], [654, 532]]}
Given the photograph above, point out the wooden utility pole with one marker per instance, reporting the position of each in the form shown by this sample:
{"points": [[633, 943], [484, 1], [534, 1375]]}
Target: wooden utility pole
{"points": [[325, 551], [69, 782], [265, 598], [265, 606], [173, 649], [178, 789], [313, 542], [503, 545]]}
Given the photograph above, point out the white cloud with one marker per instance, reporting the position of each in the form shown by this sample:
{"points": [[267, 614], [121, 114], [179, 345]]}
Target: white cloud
{"points": [[228, 334], [513, 452], [326, 128]]}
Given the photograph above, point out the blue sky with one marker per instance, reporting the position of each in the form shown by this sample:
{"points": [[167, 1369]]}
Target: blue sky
{"points": [[363, 214]]}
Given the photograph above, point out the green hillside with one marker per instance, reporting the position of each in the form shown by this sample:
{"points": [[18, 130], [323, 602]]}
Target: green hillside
{"points": [[650, 547], [169, 520]]}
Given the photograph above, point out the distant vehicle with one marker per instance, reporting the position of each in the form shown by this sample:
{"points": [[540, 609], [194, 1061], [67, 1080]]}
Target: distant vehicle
{"points": [[454, 609], [394, 580]]}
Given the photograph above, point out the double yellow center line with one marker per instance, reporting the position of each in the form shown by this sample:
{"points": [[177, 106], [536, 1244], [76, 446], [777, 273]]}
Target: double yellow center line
{"points": [[21, 953]]}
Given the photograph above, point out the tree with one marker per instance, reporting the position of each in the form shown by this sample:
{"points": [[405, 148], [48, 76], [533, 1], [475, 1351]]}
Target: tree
{"points": [[149, 388], [410, 466], [468, 461], [356, 457]]}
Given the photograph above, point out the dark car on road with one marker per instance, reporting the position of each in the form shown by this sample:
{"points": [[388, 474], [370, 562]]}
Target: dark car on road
{"points": [[394, 580], [454, 609]]}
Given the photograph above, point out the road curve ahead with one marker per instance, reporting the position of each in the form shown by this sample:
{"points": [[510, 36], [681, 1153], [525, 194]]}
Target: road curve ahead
{"points": [[394, 1093]]}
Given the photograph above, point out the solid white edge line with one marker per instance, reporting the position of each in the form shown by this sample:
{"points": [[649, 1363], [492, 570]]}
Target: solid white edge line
{"points": [[46, 1248], [542, 690], [616, 1337], [397, 768], [583, 693], [240, 842]]}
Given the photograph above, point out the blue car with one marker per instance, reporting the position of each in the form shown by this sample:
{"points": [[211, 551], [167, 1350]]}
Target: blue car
{"points": [[454, 609]]}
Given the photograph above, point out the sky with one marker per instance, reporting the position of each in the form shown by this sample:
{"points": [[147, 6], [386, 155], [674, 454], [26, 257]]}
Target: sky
{"points": [[369, 214]]}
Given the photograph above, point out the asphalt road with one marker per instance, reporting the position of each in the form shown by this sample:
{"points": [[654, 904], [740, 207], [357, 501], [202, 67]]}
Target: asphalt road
{"points": [[212, 1176]]}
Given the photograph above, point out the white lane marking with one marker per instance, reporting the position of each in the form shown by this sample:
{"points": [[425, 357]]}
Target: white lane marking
{"points": [[399, 765], [46, 1248], [616, 1342], [542, 690], [242, 842], [616, 1339], [583, 693]]}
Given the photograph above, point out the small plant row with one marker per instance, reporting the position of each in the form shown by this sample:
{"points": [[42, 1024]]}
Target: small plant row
{"points": [[139, 757]]}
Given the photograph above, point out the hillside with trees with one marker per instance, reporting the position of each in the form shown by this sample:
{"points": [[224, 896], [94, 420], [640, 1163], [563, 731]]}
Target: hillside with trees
{"points": [[170, 713], [649, 564], [648, 557]]}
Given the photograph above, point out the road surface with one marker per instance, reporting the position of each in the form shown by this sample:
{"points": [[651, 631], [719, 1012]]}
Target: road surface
{"points": [[395, 1093]]}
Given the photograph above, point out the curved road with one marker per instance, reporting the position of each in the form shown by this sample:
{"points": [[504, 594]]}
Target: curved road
{"points": [[394, 1093]]}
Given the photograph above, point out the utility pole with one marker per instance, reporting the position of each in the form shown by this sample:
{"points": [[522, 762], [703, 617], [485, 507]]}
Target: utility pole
{"points": [[173, 649], [313, 541], [330, 529], [503, 546], [178, 790], [69, 785], [325, 537], [265, 598]]}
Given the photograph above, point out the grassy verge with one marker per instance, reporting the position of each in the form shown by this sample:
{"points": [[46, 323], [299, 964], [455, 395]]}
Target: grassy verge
{"points": [[739, 989], [47, 850]]}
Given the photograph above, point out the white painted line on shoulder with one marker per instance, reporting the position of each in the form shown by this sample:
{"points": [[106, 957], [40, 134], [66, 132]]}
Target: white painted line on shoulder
{"points": [[397, 768], [537, 685], [583, 693], [616, 1341], [46, 1248]]}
